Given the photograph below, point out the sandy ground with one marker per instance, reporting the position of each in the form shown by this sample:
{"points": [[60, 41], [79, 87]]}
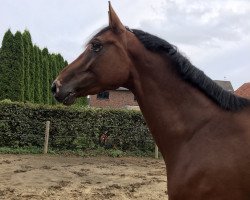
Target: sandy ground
{"points": [[60, 177]]}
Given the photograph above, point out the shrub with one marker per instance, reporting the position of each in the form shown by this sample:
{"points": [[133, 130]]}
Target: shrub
{"points": [[23, 125]]}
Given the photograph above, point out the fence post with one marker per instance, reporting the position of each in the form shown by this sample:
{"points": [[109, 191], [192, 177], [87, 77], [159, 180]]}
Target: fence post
{"points": [[46, 141], [156, 151]]}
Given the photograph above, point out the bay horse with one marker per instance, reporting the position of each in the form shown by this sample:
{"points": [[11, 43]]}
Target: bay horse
{"points": [[202, 131]]}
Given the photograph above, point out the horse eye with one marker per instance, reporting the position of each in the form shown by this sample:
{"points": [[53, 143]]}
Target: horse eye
{"points": [[96, 47]]}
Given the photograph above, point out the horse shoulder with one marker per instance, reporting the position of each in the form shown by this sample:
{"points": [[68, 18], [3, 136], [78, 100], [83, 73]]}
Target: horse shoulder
{"points": [[213, 163]]}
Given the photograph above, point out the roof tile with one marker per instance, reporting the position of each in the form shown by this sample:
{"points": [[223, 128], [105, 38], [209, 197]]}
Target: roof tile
{"points": [[244, 90]]}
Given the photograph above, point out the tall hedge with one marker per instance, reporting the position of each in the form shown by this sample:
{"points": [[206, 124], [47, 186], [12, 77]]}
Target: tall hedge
{"points": [[24, 124], [26, 71]]}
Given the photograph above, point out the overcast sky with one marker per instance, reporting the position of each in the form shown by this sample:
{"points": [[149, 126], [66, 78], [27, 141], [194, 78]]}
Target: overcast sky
{"points": [[214, 34]]}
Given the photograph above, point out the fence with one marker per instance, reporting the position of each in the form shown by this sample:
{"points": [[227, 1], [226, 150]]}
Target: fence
{"points": [[23, 125], [46, 141]]}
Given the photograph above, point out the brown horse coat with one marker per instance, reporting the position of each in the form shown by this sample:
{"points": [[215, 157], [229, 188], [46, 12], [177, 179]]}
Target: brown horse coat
{"points": [[202, 131]]}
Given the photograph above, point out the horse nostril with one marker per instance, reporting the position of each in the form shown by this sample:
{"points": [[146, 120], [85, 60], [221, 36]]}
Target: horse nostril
{"points": [[53, 88]]}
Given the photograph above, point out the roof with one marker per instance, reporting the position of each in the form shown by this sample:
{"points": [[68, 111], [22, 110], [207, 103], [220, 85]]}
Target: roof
{"points": [[226, 85], [244, 90]]}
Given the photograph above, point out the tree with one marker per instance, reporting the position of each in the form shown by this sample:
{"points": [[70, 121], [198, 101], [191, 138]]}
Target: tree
{"points": [[38, 76], [6, 65], [17, 83], [26, 71], [54, 71], [60, 63], [32, 73], [66, 63], [50, 61], [28, 50], [45, 74]]}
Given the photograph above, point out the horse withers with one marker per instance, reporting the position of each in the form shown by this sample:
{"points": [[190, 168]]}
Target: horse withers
{"points": [[202, 131]]}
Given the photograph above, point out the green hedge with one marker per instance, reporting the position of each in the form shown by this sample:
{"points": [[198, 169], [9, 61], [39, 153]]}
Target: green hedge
{"points": [[23, 125]]}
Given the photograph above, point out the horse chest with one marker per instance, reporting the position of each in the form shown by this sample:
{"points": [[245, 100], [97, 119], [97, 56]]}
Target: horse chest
{"points": [[200, 176], [206, 186]]}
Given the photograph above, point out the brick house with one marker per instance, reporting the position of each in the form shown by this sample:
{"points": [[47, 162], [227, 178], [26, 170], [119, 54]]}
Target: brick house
{"points": [[120, 98], [244, 90], [123, 98]]}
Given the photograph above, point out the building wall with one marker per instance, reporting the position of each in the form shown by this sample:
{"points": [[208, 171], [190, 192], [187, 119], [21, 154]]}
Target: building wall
{"points": [[117, 99]]}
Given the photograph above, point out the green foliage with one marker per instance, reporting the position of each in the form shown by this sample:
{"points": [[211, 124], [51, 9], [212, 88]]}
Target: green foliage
{"points": [[6, 63], [21, 150], [32, 76], [26, 71], [23, 125], [46, 81], [38, 76], [54, 73], [28, 50], [17, 83], [115, 153], [8, 39], [81, 102], [12, 67]]}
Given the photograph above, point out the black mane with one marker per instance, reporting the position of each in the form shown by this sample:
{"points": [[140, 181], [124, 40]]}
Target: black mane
{"points": [[189, 72]]}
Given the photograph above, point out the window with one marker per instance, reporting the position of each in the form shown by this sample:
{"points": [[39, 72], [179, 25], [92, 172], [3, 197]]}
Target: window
{"points": [[135, 99], [103, 95]]}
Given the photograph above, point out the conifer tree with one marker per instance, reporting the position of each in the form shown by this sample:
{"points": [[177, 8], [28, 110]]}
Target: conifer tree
{"points": [[38, 76], [40, 82], [60, 63], [54, 71], [46, 82], [28, 46], [17, 77], [50, 77], [65, 63], [26, 72], [32, 74], [6, 65]]}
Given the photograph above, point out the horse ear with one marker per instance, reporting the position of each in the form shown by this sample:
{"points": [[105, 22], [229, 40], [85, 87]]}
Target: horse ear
{"points": [[114, 21]]}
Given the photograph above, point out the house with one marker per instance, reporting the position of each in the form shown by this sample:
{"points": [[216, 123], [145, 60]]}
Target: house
{"points": [[123, 98], [226, 85], [119, 98], [244, 90]]}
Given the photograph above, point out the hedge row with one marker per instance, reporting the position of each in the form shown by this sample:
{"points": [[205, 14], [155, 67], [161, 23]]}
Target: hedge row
{"points": [[23, 125]]}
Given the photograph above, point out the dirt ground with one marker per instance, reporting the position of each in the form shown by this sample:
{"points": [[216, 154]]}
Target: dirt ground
{"points": [[66, 177]]}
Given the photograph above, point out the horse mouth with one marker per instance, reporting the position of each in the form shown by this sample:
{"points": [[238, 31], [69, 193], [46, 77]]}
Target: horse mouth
{"points": [[70, 99]]}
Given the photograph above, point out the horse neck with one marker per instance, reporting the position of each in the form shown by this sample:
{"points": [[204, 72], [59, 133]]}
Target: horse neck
{"points": [[173, 109]]}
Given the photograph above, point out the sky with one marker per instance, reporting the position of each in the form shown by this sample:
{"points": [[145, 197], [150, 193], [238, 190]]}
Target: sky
{"points": [[214, 34]]}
